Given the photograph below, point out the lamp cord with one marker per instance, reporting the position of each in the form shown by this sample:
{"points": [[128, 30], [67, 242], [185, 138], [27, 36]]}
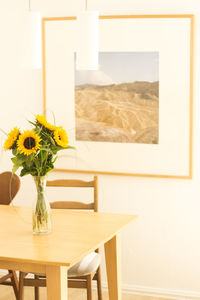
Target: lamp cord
{"points": [[86, 4], [29, 5]]}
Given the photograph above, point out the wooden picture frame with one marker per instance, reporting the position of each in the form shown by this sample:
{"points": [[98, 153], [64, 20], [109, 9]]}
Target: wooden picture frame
{"points": [[170, 35]]}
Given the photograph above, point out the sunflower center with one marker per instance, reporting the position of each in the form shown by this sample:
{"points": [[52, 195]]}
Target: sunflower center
{"points": [[29, 143]]}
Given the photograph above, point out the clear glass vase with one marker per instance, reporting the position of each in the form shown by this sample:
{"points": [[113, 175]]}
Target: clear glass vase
{"points": [[41, 218]]}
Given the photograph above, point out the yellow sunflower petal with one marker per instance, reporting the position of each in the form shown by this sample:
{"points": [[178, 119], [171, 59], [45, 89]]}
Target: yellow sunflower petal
{"points": [[60, 136], [29, 142], [43, 121], [12, 137]]}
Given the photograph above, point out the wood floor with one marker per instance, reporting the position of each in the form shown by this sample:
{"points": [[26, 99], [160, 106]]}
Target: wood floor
{"points": [[6, 293]]}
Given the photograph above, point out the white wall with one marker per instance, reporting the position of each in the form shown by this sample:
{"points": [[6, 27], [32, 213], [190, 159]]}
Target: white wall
{"points": [[161, 249]]}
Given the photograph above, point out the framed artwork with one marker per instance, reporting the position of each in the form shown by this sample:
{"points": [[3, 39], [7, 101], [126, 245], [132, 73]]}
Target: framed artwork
{"points": [[134, 115]]}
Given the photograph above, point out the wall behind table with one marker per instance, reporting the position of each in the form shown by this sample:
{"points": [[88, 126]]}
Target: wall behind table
{"points": [[20, 89], [160, 251]]}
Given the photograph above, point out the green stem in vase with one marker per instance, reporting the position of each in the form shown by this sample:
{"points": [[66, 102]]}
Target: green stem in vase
{"points": [[41, 213]]}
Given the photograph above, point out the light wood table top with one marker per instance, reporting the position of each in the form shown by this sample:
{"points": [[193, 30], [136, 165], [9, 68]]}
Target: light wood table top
{"points": [[74, 235]]}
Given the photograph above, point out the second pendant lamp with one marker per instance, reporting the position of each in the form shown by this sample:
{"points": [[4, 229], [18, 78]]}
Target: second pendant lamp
{"points": [[87, 39]]}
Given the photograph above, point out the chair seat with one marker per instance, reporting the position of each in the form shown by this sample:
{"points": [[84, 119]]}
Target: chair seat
{"points": [[86, 266]]}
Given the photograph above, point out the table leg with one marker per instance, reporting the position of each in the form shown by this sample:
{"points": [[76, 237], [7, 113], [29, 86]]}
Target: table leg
{"points": [[56, 283], [113, 266]]}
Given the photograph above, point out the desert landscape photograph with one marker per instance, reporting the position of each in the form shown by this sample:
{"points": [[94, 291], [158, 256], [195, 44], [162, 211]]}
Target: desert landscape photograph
{"points": [[119, 102]]}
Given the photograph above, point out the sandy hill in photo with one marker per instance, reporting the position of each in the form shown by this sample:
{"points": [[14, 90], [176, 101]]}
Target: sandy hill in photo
{"points": [[126, 112]]}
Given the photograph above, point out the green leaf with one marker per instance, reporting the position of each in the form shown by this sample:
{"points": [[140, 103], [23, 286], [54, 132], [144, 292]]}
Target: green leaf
{"points": [[70, 147], [24, 172], [54, 159], [52, 140], [32, 123], [43, 155], [14, 152], [17, 162]]}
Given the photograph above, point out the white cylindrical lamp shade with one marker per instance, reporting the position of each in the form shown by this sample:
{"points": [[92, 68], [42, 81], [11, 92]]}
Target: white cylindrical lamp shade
{"points": [[87, 40], [33, 41]]}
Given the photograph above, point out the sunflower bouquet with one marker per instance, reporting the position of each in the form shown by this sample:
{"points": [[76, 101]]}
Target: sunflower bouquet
{"points": [[35, 151]]}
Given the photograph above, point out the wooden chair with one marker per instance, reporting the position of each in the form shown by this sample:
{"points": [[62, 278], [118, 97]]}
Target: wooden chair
{"points": [[82, 274], [9, 186]]}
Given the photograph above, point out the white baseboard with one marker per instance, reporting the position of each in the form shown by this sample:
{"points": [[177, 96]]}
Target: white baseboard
{"points": [[157, 292]]}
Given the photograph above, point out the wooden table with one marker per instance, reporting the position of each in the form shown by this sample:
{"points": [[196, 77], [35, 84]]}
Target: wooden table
{"points": [[74, 235]]}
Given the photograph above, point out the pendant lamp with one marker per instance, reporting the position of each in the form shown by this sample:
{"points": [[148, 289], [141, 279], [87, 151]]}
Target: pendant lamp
{"points": [[33, 40], [87, 39]]}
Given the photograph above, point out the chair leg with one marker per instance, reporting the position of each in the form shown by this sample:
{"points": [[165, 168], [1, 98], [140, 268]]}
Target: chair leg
{"points": [[36, 289], [89, 287], [99, 285], [21, 285], [15, 283]]}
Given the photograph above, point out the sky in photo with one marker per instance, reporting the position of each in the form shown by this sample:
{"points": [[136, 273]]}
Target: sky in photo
{"points": [[120, 67]]}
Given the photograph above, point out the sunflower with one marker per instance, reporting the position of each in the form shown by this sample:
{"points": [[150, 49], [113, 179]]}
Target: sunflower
{"points": [[28, 142], [43, 121], [60, 136], [12, 138]]}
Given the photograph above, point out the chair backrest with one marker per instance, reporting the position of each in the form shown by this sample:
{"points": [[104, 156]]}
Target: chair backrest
{"points": [[9, 186], [75, 183]]}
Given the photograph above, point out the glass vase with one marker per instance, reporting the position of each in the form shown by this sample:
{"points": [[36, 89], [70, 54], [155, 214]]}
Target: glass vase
{"points": [[41, 218]]}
